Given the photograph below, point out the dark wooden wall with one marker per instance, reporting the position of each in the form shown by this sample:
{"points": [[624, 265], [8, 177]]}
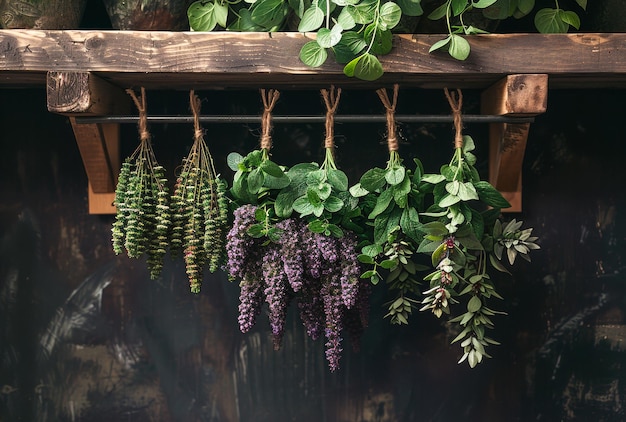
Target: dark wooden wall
{"points": [[150, 351]]}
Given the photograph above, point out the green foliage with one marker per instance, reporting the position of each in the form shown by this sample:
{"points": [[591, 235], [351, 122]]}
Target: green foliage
{"points": [[547, 20], [357, 32]]}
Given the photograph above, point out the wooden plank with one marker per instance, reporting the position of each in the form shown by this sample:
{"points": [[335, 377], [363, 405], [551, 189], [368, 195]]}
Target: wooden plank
{"points": [[79, 94], [177, 60], [85, 94], [514, 95], [95, 155]]}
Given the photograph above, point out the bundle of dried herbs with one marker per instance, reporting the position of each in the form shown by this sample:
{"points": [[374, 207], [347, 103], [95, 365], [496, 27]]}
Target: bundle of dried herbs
{"points": [[142, 220], [199, 208], [392, 200], [311, 260], [464, 237]]}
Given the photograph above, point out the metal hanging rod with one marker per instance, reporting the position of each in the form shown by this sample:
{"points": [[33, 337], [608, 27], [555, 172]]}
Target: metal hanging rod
{"points": [[358, 118]]}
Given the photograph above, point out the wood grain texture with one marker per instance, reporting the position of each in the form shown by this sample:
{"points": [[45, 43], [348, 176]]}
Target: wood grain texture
{"points": [[85, 94], [182, 60], [513, 95]]}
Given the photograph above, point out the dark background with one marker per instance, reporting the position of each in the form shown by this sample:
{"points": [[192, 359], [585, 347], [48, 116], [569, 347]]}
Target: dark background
{"points": [[121, 347]]}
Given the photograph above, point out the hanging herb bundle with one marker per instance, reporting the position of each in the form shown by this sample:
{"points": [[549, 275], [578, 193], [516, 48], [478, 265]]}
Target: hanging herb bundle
{"points": [[392, 201], [464, 236], [320, 193], [142, 220], [200, 208], [258, 179], [311, 260]]}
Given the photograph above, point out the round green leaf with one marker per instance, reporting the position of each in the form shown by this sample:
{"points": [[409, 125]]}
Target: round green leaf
{"points": [[389, 15], [373, 179], [459, 48], [364, 12], [312, 54], [202, 16], [333, 204], [365, 67], [269, 13], [255, 180], [303, 206], [233, 160], [271, 168], [345, 19], [312, 19], [548, 21], [327, 38], [221, 13], [571, 18], [337, 179], [395, 175]]}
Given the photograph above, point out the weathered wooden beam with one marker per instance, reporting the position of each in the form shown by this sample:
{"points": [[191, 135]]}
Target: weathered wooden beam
{"points": [[82, 93], [514, 95], [184, 60]]}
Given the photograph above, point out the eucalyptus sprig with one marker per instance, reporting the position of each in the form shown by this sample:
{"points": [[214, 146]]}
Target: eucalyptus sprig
{"points": [[142, 219]]}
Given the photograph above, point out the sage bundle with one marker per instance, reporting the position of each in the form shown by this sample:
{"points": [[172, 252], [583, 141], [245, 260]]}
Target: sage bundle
{"points": [[142, 218], [464, 236]]}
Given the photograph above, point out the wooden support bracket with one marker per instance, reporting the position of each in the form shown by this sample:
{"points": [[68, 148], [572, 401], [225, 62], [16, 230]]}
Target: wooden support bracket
{"points": [[515, 95], [82, 93]]}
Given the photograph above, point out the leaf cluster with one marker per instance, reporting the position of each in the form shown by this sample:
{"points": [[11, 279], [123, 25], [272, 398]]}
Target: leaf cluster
{"points": [[454, 12], [391, 200], [464, 236]]}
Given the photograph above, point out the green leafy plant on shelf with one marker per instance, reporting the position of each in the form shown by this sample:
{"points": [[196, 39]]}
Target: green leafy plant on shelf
{"points": [[547, 20], [357, 32]]}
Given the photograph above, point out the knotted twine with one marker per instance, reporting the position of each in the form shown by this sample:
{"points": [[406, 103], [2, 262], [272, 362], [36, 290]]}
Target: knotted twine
{"points": [[196, 104], [331, 99], [455, 99], [390, 106], [269, 98], [144, 135]]}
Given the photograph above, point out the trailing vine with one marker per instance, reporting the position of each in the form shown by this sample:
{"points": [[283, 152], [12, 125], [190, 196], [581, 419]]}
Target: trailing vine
{"points": [[357, 32]]}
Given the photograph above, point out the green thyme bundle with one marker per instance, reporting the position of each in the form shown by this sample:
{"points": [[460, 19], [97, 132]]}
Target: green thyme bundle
{"points": [[200, 208], [141, 197]]}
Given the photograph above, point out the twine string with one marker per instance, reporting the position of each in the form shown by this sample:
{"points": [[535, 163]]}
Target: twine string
{"points": [[144, 135], [331, 99], [390, 106], [195, 104], [269, 97], [455, 99]]}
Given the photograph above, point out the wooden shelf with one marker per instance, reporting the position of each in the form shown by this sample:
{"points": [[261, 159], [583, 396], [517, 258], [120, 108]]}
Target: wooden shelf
{"points": [[183, 60], [85, 73]]}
